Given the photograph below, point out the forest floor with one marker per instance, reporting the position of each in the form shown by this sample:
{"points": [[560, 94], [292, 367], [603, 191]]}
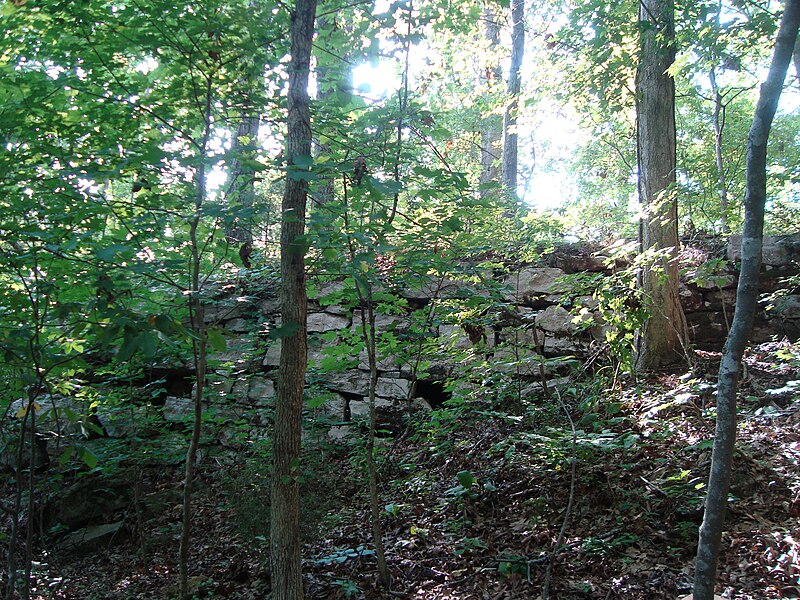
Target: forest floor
{"points": [[475, 498]]}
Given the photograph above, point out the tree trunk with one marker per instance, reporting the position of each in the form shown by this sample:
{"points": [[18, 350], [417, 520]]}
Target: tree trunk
{"points": [[719, 125], [514, 88], [662, 341], [242, 186], [492, 124], [746, 302], [287, 583], [199, 346]]}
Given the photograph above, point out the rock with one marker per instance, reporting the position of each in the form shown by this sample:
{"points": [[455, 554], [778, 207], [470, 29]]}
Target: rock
{"points": [[383, 322], [89, 539], [348, 382], [777, 251], [227, 309], [394, 388], [555, 319], [691, 298], [240, 325], [261, 390], [458, 338], [340, 433], [534, 281], [321, 322], [581, 264], [91, 499], [714, 300], [178, 410]]}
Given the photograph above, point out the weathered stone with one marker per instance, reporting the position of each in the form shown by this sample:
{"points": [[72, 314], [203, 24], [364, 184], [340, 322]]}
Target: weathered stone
{"points": [[716, 300], [177, 410], [91, 499], [227, 309], [239, 325], [707, 329], [443, 288], [555, 319], [560, 346], [348, 382], [64, 415], [534, 281], [457, 337], [321, 322], [340, 433], [261, 390], [89, 539], [777, 251], [581, 264], [383, 322], [394, 388], [384, 363], [270, 307], [690, 297], [238, 352]]}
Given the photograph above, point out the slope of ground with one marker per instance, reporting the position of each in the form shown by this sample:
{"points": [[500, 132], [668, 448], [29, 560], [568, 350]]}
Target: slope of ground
{"points": [[477, 496]]}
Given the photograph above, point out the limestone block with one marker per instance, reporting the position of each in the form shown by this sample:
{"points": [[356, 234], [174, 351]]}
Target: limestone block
{"points": [[383, 322], [239, 325], [385, 363], [581, 264], [555, 319], [261, 390], [177, 410], [443, 288], [320, 322], [454, 336], [777, 251], [690, 297], [227, 309], [349, 382], [534, 281], [272, 358], [394, 388], [714, 300], [561, 346]]}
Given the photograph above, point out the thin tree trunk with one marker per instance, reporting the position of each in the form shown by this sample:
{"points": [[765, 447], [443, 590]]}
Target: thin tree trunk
{"points": [[492, 124], [718, 118], [287, 582], [242, 186], [663, 339], [199, 351], [369, 333], [510, 136], [746, 301]]}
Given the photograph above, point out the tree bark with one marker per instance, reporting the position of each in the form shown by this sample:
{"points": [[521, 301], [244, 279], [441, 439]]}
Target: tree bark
{"points": [[242, 185], [492, 124], [718, 117], [662, 341], [510, 137], [287, 583], [746, 301]]}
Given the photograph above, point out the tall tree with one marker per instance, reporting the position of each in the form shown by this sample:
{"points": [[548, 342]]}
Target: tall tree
{"points": [[746, 301], [662, 341], [287, 583], [510, 135], [491, 124]]}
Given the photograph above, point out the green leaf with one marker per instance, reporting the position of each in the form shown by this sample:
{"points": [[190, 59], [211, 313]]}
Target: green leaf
{"points": [[216, 339], [466, 479], [88, 458]]}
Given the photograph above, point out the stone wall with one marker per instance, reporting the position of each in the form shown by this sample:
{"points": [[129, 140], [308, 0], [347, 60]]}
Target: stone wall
{"points": [[531, 328]]}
